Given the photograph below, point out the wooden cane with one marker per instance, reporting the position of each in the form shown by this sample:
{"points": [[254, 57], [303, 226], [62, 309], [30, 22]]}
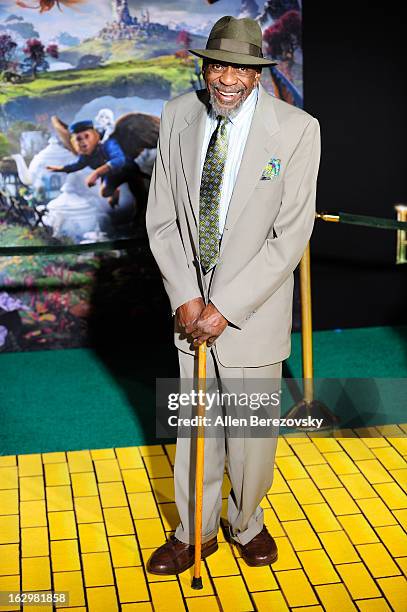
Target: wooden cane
{"points": [[199, 467]]}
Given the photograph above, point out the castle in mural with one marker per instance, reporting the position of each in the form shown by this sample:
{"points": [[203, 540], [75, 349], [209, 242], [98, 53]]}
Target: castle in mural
{"points": [[125, 27]]}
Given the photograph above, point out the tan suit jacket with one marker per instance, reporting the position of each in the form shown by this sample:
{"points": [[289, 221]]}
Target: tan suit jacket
{"points": [[268, 224]]}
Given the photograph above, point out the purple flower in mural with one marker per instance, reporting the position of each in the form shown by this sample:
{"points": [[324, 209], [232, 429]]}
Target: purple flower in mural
{"points": [[9, 304], [3, 335]]}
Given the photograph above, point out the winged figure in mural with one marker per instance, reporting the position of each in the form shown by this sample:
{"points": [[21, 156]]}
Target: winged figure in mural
{"points": [[111, 160], [46, 5]]}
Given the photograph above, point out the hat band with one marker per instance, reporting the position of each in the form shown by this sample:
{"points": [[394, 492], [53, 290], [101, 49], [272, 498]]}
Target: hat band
{"points": [[234, 46]]}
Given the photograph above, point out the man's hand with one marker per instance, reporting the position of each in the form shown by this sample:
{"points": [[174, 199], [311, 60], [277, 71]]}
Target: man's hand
{"points": [[209, 326], [55, 168], [92, 179], [189, 313]]}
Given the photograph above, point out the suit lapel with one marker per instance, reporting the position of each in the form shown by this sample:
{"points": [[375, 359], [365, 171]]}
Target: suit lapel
{"points": [[262, 142]]}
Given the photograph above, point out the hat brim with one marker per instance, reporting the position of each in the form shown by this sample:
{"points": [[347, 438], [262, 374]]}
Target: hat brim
{"points": [[233, 58]]}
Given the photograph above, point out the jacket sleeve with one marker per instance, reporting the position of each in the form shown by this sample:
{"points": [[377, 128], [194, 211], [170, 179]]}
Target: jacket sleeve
{"points": [[279, 255], [163, 229], [116, 157], [80, 163]]}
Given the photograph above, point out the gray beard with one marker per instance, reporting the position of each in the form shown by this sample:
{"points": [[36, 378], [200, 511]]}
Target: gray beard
{"points": [[222, 111]]}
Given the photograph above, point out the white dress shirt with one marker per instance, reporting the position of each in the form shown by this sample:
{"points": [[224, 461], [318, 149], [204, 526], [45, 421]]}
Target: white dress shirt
{"points": [[238, 130]]}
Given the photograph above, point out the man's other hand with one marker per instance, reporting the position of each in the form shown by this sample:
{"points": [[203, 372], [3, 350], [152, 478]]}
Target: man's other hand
{"points": [[189, 313], [209, 326]]}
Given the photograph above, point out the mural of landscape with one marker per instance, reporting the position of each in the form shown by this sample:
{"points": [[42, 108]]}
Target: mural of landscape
{"points": [[107, 67]]}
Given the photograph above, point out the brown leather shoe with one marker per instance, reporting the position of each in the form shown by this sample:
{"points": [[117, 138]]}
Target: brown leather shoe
{"points": [[261, 550], [175, 557]]}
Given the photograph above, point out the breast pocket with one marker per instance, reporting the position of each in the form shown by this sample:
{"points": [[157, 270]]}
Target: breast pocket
{"points": [[269, 183]]}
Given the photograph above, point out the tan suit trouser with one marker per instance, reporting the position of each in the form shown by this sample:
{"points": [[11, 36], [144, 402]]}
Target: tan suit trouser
{"points": [[250, 461]]}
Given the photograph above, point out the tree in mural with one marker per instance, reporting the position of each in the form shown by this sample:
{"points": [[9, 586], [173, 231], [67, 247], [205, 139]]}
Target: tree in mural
{"points": [[283, 38], [36, 54], [7, 49]]}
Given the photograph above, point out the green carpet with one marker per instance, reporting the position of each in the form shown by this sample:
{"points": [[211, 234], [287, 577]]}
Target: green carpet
{"points": [[77, 399]]}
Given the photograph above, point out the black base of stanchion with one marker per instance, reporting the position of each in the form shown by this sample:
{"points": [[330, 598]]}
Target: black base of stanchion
{"points": [[197, 583], [316, 410]]}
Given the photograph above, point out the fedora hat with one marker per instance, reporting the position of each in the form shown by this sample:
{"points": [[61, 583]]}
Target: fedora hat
{"points": [[236, 41]]}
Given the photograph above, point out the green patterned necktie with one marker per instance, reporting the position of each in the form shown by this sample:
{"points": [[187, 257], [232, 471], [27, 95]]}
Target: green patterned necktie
{"points": [[210, 193]]}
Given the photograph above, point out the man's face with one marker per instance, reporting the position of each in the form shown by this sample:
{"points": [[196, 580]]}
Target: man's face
{"points": [[86, 141], [229, 86]]}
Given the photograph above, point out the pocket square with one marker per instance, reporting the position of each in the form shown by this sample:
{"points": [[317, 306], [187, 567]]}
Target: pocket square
{"points": [[271, 170]]}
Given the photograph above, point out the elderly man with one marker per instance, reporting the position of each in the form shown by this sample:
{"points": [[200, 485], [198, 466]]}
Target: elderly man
{"points": [[230, 211]]}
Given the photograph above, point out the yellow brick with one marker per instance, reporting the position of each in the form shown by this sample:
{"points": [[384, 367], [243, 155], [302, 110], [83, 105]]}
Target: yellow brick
{"points": [[395, 539], [358, 529], [356, 448], [270, 600], [325, 445], [340, 501], [65, 556], [358, 580], [401, 477], [92, 537], [8, 478], [163, 489], [9, 532], [285, 506], [226, 486], [334, 597], [142, 505], [290, 467], [283, 449], [358, 486], [339, 547], [32, 488], [8, 501], [88, 509], [321, 517], [152, 449], [124, 551], [36, 573], [378, 560], [79, 461], [9, 559], [341, 463], [400, 444], [158, 466], [197, 604], [170, 448], [131, 584], [323, 476], [402, 562], [169, 515], [401, 516], [8, 460], [34, 542], [374, 471], [373, 605], [143, 606], [62, 525], [59, 498], [129, 457], [279, 484], [305, 491], [97, 569], [108, 470], [296, 588], [232, 594], [33, 513], [55, 457], [56, 474], [272, 523], [371, 436], [390, 458], [395, 590], [287, 559], [101, 599], [393, 495], [150, 533], [167, 596], [344, 433], [185, 580], [102, 453], [223, 563], [112, 494], [71, 582], [136, 481], [84, 484], [318, 567], [10, 583], [308, 454], [118, 521], [258, 578], [297, 438], [30, 465], [376, 512], [301, 535], [390, 431]]}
